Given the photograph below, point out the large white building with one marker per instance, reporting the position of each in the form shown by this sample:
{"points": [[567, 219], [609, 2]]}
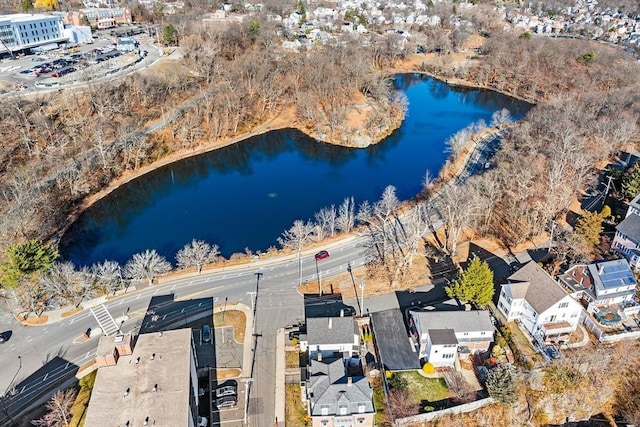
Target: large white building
{"points": [[24, 31], [540, 304]]}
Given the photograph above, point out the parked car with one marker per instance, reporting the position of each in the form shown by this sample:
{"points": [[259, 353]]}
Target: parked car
{"points": [[322, 255], [226, 402], [228, 388], [206, 334]]}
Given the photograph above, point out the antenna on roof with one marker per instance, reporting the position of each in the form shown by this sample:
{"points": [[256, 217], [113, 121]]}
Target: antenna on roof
{"points": [[155, 388], [137, 360], [153, 356], [126, 392], [146, 421]]}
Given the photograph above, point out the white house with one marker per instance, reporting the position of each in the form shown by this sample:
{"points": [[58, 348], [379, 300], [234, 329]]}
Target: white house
{"points": [[627, 239], [539, 304], [330, 336], [442, 335], [601, 283], [23, 31]]}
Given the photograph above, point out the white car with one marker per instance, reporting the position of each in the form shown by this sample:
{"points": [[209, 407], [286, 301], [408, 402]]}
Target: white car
{"points": [[203, 422]]}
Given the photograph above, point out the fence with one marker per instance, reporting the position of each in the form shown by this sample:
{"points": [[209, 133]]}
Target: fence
{"points": [[429, 416]]}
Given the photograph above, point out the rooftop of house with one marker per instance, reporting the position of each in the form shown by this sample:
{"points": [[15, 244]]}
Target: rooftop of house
{"points": [[152, 382], [535, 285], [630, 227], [326, 305], [458, 321], [331, 388], [612, 274], [331, 330], [442, 336]]}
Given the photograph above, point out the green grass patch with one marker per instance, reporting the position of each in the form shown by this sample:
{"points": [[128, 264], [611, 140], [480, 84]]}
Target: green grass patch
{"points": [[295, 410], [379, 402], [79, 408], [424, 389]]}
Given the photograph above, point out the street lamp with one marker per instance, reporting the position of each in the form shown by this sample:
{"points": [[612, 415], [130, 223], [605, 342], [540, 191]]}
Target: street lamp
{"points": [[224, 310]]}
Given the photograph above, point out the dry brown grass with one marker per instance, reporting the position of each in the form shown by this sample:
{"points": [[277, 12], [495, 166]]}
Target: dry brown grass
{"points": [[40, 320], [228, 373], [235, 318], [295, 412]]}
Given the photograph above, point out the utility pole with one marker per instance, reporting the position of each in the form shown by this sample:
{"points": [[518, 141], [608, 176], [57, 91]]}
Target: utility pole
{"points": [[362, 284]]}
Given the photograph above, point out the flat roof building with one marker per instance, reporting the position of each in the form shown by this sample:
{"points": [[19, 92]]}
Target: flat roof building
{"points": [[21, 31], [151, 380]]}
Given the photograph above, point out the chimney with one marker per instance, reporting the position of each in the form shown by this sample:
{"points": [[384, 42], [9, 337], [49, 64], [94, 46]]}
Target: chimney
{"points": [[342, 312], [349, 381], [319, 356], [330, 323]]}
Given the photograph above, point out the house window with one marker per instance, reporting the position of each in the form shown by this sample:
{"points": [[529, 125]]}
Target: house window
{"points": [[324, 423], [466, 333], [563, 305], [481, 333], [361, 409], [360, 420], [343, 410], [447, 356], [325, 411]]}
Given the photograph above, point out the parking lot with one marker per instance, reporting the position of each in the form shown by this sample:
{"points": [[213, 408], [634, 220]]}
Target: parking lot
{"points": [[218, 354]]}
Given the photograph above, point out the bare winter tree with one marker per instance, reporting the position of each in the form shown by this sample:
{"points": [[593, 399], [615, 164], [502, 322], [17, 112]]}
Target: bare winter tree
{"points": [[197, 254], [295, 238], [346, 215], [458, 209], [108, 275], [146, 265], [34, 299], [401, 403], [326, 222], [459, 387], [59, 407], [67, 285], [500, 118]]}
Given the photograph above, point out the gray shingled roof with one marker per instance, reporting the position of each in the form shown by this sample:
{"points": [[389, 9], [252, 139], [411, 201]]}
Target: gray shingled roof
{"points": [[459, 321], [443, 336], [329, 384], [395, 351], [331, 330], [630, 227], [543, 292]]}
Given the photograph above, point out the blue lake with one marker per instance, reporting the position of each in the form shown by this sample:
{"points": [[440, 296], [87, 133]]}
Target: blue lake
{"points": [[247, 194]]}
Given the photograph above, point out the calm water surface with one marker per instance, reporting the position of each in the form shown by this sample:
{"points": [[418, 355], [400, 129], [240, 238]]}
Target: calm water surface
{"points": [[247, 194]]}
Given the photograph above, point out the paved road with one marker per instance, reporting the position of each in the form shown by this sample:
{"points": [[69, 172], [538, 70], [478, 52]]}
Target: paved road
{"points": [[30, 364]]}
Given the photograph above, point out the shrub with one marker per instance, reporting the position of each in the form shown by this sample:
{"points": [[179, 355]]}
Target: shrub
{"points": [[294, 341], [428, 368]]}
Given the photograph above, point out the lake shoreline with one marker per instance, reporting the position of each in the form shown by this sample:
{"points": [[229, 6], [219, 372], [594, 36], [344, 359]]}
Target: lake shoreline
{"points": [[273, 123]]}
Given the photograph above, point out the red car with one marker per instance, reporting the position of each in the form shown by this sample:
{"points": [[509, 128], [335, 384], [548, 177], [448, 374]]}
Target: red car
{"points": [[322, 255]]}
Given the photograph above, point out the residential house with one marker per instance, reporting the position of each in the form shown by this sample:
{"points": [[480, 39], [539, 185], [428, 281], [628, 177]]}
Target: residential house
{"points": [[442, 335], [627, 239], [99, 18], [330, 335], [600, 284], [540, 304], [338, 394]]}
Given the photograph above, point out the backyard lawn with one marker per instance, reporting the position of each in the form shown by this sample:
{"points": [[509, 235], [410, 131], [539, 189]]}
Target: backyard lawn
{"points": [[423, 389]]}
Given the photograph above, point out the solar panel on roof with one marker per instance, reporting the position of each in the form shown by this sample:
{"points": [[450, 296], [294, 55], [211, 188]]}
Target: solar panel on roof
{"points": [[615, 275]]}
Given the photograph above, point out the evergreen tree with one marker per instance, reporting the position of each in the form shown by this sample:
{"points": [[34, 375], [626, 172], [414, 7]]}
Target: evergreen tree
{"points": [[589, 227], [473, 285], [631, 182], [26, 259], [501, 386]]}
